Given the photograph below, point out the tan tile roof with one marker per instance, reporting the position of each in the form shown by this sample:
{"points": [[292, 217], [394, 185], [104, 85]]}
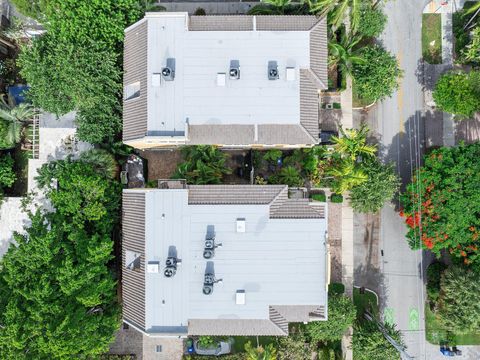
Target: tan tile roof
{"points": [[238, 327], [233, 194], [298, 209]]}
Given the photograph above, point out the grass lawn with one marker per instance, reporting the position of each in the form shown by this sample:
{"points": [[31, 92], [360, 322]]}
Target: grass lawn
{"points": [[432, 38], [357, 100], [436, 333], [363, 302]]}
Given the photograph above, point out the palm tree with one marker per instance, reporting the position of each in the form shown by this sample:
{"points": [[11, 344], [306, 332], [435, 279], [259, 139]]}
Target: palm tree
{"points": [[281, 7], [204, 164], [339, 10], [475, 10], [290, 176], [353, 143], [13, 119], [102, 161], [268, 352], [346, 175], [343, 55]]}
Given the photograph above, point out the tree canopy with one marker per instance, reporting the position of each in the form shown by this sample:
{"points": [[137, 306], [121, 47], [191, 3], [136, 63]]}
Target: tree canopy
{"points": [[458, 93], [57, 292], [459, 301], [442, 203], [381, 185], [372, 21], [377, 77], [368, 343], [76, 65], [341, 315]]}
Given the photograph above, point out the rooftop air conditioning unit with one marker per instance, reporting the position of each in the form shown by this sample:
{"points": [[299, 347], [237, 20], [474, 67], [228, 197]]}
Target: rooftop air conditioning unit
{"points": [[168, 72], [234, 72], [273, 70], [240, 225], [171, 266]]}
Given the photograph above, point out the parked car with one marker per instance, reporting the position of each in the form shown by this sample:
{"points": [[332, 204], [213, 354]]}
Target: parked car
{"points": [[325, 137], [221, 348]]}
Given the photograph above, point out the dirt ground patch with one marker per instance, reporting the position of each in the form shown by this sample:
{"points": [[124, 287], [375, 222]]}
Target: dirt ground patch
{"points": [[161, 163], [335, 240]]}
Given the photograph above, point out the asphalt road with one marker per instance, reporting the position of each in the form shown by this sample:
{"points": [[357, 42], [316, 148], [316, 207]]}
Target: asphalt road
{"points": [[401, 129]]}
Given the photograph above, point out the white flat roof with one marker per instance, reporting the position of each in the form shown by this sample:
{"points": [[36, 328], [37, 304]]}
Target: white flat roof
{"points": [[276, 261], [194, 95]]}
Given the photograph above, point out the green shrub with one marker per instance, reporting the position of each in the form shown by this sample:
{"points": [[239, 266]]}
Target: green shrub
{"points": [[377, 77], [319, 197], [458, 93], [341, 315], [273, 155], [336, 288], [7, 174], [336, 198], [434, 275], [200, 12], [372, 21], [207, 341]]}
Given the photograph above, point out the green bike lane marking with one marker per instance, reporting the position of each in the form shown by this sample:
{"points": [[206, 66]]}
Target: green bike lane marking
{"points": [[413, 319], [388, 316]]}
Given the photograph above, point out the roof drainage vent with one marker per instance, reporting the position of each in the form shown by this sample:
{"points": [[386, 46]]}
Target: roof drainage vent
{"points": [[240, 225], [240, 297]]}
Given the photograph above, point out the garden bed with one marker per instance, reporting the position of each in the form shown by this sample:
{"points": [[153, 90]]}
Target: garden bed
{"points": [[20, 186], [432, 38]]}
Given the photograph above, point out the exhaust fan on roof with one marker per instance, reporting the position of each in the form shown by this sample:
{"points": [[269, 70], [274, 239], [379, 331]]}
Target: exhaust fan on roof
{"points": [[208, 283], [234, 71], [210, 246], [171, 266], [168, 72], [273, 70]]}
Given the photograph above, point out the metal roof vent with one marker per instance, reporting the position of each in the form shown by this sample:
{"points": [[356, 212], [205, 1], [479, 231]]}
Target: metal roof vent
{"points": [[240, 297], [152, 267], [221, 79], [168, 72], [234, 71], [290, 75], [241, 225], [273, 70]]}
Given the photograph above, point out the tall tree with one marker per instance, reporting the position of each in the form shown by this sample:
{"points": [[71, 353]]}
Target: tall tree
{"points": [[57, 293], [442, 203], [352, 143], [378, 76], [339, 10], [343, 54], [381, 185]]}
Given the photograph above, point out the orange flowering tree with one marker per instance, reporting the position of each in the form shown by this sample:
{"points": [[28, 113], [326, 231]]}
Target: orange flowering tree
{"points": [[442, 203]]}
